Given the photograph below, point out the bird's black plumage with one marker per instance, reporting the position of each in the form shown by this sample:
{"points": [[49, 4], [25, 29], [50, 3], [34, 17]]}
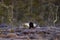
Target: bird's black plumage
{"points": [[31, 25]]}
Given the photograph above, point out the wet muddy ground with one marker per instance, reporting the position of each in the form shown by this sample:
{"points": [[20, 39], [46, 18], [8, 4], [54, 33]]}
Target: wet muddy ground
{"points": [[33, 34]]}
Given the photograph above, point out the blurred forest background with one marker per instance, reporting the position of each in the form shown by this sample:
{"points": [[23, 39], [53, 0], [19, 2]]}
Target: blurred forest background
{"points": [[43, 12]]}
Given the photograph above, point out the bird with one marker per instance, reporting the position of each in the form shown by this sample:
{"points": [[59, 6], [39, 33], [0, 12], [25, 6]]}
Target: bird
{"points": [[31, 25]]}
